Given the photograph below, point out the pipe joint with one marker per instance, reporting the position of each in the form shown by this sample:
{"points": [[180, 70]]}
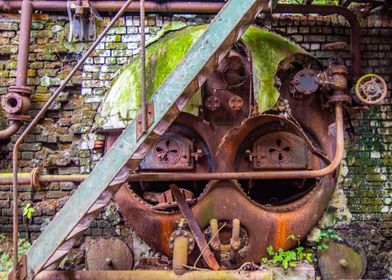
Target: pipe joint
{"points": [[17, 103]]}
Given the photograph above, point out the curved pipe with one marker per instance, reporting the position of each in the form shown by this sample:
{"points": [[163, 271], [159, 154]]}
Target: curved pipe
{"points": [[22, 63], [12, 129], [325, 10], [27, 178]]}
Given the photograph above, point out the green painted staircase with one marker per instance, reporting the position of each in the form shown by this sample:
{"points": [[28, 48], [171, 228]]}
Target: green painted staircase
{"points": [[165, 105]]}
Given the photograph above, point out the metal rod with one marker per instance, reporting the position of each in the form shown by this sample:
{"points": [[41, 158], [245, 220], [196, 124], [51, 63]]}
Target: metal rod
{"points": [[21, 80], [113, 6], [143, 65], [27, 178], [36, 119]]}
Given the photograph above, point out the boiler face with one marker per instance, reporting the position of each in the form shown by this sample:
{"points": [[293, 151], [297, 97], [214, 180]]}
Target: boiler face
{"points": [[229, 137]]}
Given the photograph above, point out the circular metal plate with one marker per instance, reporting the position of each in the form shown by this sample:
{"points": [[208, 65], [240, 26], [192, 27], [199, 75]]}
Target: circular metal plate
{"points": [[109, 254], [340, 261]]}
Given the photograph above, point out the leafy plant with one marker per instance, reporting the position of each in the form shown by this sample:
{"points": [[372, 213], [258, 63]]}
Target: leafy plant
{"points": [[288, 258], [6, 252], [28, 211], [324, 238]]}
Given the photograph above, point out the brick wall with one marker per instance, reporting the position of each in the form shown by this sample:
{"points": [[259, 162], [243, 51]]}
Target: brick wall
{"points": [[63, 143]]}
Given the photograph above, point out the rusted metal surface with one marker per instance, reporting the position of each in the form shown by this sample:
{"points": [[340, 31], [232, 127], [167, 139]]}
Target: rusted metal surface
{"points": [[280, 150], [17, 102], [201, 242], [297, 146], [341, 261], [332, 10], [171, 152], [305, 82], [156, 275], [290, 174], [265, 225], [109, 254], [145, 121]]}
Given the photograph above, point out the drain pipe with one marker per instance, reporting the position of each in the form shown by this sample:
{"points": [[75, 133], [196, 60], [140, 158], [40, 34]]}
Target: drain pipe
{"points": [[17, 102]]}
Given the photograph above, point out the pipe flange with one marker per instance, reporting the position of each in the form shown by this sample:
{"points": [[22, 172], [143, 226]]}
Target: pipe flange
{"points": [[185, 233], [14, 103], [24, 90], [339, 98], [34, 177]]}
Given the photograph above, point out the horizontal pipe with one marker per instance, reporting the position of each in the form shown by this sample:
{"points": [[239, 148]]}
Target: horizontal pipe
{"points": [[156, 275], [28, 178], [113, 6], [210, 8], [260, 175]]}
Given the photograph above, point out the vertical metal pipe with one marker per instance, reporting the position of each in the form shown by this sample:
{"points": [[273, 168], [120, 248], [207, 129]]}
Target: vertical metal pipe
{"points": [[143, 65], [21, 80], [41, 113], [180, 254], [24, 43]]}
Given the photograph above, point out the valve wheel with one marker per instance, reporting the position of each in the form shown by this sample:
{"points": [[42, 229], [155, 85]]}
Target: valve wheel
{"points": [[371, 89]]}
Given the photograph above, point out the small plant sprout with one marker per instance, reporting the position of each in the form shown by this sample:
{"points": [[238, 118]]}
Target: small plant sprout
{"points": [[288, 258], [28, 211]]}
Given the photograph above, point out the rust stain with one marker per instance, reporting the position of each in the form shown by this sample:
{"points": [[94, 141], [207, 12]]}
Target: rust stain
{"points": [[166, 231], [281, 232]]}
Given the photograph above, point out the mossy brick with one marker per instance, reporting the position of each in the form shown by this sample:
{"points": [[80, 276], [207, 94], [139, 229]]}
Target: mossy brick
{"points": [[8, 49], [27, 155], [9, 25], [31, 73], [4, 74], [115, 46], [42, 34], [66, 138], [31, 147], [47, 72]]}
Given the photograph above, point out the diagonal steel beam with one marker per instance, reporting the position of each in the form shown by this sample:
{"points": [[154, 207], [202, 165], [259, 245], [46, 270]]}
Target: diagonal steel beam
{"points": [[201, 60]]}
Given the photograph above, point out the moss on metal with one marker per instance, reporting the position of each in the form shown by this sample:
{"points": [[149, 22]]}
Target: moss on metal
{"points": [[122, 101]]}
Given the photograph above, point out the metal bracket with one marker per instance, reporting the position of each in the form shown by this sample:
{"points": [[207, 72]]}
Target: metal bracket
{"points": [[150, 120], [82, 22]]}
